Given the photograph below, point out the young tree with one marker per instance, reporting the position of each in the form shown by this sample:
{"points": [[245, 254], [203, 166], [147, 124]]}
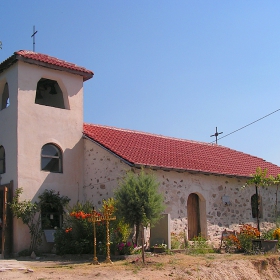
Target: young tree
{"points": [[259, 179], [139, 202], [28, 211]]}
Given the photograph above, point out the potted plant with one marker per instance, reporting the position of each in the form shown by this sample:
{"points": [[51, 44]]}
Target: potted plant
{"points": [[268, 241], [159, 248]]}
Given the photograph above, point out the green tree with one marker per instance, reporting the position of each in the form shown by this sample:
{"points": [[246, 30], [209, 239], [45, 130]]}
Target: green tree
{"points": [[27, 211], [258, 179], [139, 202]]}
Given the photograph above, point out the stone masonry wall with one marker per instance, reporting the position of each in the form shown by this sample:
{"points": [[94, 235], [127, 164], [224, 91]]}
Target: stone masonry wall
{"points": [[103, 171]]}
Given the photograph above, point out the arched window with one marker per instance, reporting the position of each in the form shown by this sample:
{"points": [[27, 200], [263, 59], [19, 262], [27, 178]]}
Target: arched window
{"points": [[5, 102], [51, 158], [2, 160], [254, 204]]}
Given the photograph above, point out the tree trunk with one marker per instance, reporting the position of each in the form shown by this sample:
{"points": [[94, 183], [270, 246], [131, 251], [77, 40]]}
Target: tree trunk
{"points": [[137, 234], [258, 218], [142, 241]]}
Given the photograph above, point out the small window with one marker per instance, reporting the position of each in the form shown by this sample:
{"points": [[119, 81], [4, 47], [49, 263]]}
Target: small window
{"points": [[255, 204], [51, 158], [49, 93], [2, 160], [50, 219], [5, 102]]}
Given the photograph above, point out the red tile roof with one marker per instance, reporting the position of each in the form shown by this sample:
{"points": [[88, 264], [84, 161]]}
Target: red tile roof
{"points": [[139, 148], [46, 61]]}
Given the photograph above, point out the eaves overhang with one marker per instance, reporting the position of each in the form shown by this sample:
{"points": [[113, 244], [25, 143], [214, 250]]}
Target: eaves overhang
{"points": [[50, 62]]}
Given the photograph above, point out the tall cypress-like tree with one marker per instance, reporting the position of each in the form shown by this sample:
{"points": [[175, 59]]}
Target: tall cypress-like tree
{"points": [[139, 202]]}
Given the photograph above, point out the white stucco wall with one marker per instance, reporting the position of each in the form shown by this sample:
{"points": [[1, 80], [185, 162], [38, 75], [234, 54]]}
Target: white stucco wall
{"points": [[103, 170], [38, 125], [28, 126], [8, 124]]}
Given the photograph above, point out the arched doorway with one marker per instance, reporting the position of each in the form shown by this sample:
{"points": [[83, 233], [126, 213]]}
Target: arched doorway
{"points": [[193, 216], [196, 207]]}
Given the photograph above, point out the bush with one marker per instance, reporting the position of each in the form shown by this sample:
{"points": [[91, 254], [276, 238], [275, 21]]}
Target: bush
{"points": [[276, 235], [232, 244], [125, 248], [178, 241], [243, 241], [76, 236], [247, 234], [199, 245]]}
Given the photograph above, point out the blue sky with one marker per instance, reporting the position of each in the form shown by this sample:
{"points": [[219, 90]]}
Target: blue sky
{"points": [[175, 68]]}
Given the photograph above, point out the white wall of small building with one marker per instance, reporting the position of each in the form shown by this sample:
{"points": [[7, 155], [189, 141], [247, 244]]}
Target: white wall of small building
{"points": [[38, 125], [104, 170], [8, 124], [28, 126]]}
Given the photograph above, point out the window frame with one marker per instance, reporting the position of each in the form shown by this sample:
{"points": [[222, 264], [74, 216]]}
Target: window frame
{"points": [[55, 158], [3, 159], [45, 91], [5, 97], [254, 206]]}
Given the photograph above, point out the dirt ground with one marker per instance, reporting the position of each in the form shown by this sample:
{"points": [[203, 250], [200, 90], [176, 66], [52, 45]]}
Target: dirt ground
{"points": [[158, 266]]}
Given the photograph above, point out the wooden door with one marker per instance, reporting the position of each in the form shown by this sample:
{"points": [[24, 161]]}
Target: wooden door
{"points": [[6, 233], [4, 192], [194, 228]]}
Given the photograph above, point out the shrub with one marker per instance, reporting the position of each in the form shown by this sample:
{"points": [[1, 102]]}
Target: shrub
{"points": [[178, 241], [276, 234], [232, 244], [268, 235], [247, 234], [243, 241], [175, 241], [199, 245], [125, 248], [76, 236]]}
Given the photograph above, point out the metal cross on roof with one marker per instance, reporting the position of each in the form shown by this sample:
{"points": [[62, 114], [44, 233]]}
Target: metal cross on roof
{"points": [[216, 135], [33, 35]]}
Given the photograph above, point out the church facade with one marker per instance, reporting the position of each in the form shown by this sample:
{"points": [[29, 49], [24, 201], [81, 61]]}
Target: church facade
{"points": [[44, 144]]}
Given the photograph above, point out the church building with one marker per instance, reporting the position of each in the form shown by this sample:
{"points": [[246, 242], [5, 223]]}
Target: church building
{"points": [[45, 144]]}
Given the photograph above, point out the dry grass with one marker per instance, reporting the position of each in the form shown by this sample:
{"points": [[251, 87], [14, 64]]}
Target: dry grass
{"points": [[161, 266]]}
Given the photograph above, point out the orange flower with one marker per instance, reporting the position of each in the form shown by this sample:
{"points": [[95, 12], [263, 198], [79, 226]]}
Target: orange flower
{"points": [[80, 215], [249, 230], [68, 230], [234, 240]]}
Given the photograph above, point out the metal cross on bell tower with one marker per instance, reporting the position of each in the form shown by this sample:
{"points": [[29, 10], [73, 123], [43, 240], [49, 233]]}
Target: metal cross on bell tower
{"points": [[216, 135], [33, 35]]}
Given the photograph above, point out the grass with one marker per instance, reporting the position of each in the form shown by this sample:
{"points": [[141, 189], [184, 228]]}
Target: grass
{"points": [[159, 265], [179, 265], [198, 246], [173, 261]]}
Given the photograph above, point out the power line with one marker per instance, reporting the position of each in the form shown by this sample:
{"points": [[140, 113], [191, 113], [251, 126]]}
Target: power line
{"points": [[246, 125]]}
